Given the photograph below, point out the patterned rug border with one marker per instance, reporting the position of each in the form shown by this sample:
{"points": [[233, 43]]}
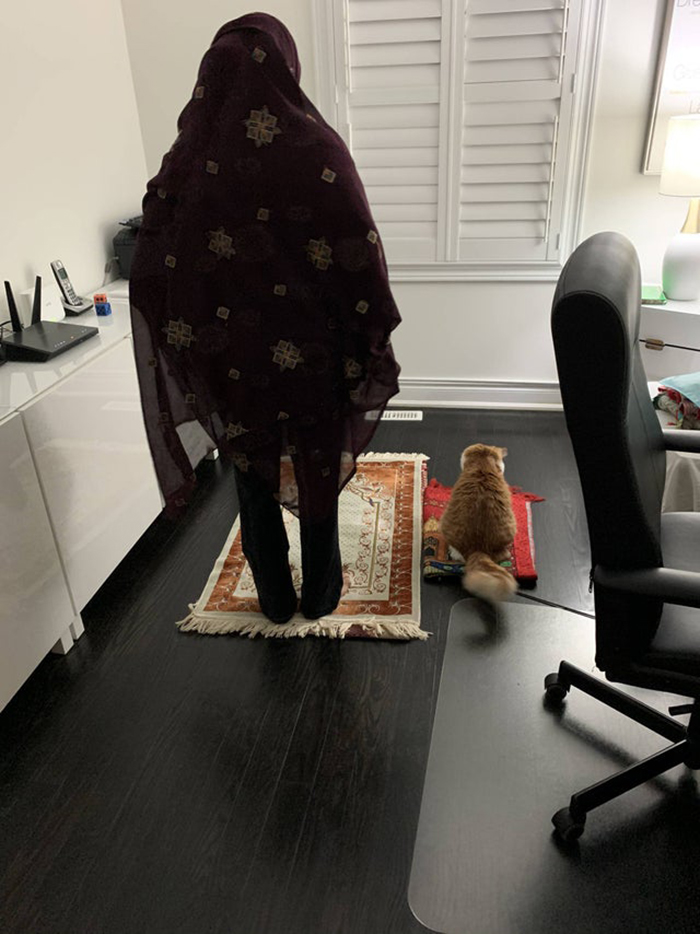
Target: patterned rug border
{"points": [[331, 627]]}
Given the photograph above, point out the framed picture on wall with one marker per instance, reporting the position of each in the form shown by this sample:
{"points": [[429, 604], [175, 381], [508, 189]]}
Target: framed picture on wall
{"points": [[677, 85]]}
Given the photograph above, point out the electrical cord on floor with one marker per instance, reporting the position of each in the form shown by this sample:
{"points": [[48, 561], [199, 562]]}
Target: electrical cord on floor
{"points": [[557, 606]]}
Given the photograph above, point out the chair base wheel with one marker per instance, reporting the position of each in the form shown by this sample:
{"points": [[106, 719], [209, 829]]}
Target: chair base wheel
{"points": [[554, 690], [568, 828]]}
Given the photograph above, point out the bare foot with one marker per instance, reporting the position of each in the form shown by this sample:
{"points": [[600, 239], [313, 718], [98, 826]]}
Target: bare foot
{"points": [[346, 583]]}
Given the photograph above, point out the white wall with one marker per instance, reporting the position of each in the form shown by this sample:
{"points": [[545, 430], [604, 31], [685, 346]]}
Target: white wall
{"points": [[475, 331], [167, 40], [453, 331], [619, 197], [71, 155]]}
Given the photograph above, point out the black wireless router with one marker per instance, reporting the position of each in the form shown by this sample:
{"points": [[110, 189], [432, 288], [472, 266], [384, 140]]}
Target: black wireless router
{"points": [[42, 340]]}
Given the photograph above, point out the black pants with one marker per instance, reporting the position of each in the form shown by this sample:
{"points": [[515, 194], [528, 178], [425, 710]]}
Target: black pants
{"points": [[265, 545]]}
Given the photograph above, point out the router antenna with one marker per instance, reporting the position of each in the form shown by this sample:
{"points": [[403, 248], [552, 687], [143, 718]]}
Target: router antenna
{"points": [[36, 307], [14, 317]]}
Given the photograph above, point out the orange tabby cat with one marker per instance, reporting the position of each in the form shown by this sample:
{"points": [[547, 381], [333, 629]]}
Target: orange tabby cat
{"points": [[479, 522]]}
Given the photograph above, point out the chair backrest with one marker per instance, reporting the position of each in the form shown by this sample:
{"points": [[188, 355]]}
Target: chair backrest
{"points": [[616, 436]]}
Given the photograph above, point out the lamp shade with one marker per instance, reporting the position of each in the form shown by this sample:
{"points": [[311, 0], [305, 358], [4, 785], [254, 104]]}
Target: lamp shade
{"points": [[680, 174]]}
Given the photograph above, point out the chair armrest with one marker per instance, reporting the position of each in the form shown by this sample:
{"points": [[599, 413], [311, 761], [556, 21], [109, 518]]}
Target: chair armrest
{"points": [[668, 584], [679, 439]]}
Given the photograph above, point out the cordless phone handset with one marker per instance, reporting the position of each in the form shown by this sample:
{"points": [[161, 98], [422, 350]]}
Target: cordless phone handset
{"points": [[72, 302], [64, 283]]}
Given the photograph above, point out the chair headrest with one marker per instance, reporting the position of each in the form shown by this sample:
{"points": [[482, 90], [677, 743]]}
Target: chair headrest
{"points": [[605, 266]]}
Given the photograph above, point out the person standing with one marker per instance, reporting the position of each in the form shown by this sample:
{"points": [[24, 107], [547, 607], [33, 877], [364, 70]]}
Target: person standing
{"points": [[261, 308]]}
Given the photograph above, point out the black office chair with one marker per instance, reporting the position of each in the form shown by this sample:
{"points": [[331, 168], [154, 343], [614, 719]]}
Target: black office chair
{"points": [[645, 566]]}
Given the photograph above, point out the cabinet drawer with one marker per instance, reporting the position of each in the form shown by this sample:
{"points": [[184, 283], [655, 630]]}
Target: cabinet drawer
{"points": [[93, 460], [35, 608]]}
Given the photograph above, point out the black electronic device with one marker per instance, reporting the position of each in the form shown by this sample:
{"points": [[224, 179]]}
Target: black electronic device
{"points": [[134, 222], [42, 340], [73, 304], [125, 244]]}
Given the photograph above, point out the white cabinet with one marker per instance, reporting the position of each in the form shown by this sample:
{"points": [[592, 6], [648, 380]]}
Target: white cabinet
{"points": [[35, 606], [91, 453], [77, 488]]}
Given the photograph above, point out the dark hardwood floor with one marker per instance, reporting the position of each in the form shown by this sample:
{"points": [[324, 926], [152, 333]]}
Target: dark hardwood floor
{"points": [[155, 782]]}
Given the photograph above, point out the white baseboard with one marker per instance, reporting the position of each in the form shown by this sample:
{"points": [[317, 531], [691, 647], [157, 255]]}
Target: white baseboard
{"points": [[478, 394]]}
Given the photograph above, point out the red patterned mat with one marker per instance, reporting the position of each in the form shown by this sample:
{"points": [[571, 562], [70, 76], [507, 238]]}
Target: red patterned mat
{"points": [[437, 561]]}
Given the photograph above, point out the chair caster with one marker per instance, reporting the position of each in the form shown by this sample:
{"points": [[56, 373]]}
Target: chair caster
{"points": [[554, 690], [567, 827]]}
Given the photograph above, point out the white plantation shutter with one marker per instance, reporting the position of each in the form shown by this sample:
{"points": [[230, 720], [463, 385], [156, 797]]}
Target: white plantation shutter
{"points": [[459, 114], [390, 104], [518, 72]]}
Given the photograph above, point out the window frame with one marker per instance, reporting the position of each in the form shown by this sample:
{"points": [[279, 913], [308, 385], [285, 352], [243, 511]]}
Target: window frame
{"points": [[331, 42]]}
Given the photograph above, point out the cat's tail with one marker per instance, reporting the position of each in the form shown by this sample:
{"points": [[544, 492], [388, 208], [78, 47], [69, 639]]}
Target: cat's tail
{"points": [[486, 579]]}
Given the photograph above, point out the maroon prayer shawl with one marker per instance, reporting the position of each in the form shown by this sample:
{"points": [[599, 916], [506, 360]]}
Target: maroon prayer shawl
{"points": [[260, 299]]}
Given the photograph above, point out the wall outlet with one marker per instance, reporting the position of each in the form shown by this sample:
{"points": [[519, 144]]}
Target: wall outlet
{"points": [[51, 307]]}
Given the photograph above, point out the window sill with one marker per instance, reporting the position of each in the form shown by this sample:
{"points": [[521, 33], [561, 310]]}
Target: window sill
{"points": [[477, 272]]}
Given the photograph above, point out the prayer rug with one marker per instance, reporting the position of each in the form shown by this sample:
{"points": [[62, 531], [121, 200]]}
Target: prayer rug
{"points": [[380, 542], [438, 560]]}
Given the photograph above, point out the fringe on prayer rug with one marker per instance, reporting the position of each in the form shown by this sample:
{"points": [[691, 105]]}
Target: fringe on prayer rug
{"points": [[380, 521]]}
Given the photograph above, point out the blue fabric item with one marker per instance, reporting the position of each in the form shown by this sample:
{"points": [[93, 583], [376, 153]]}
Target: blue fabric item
{"points": [[688, 384]]}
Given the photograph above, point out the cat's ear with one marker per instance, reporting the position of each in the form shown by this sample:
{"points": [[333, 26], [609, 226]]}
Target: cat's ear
{"points": [[504, 452]]}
